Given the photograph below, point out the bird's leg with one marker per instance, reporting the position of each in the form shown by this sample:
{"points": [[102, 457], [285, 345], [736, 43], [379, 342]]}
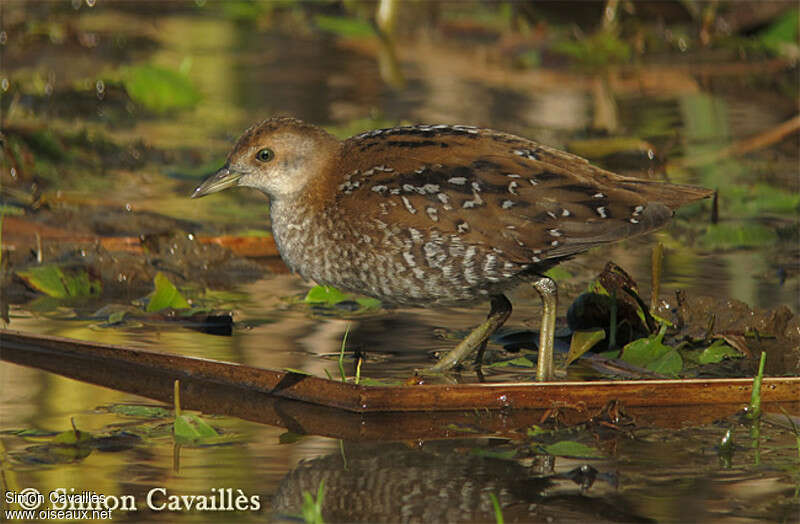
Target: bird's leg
{"points": [[549, 292], [480, 352], [501, 309]]}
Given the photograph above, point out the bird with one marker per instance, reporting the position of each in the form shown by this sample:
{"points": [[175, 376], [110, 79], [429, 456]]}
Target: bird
{"points": [[436, 215]]}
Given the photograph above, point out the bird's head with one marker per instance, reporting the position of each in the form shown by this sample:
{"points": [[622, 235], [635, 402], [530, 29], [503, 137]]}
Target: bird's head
{"points": [[278, 157]]}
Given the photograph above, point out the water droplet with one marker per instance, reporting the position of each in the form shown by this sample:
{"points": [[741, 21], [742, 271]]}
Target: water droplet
{"points": [[3, 37], [91, 3], [128, 207]]}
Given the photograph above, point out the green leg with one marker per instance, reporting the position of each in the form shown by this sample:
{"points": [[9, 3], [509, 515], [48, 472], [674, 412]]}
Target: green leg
{"points": [[501, 309], [549, 292]]}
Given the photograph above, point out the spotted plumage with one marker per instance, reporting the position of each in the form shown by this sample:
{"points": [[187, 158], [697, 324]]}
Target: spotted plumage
{"points": [[435, 214]]}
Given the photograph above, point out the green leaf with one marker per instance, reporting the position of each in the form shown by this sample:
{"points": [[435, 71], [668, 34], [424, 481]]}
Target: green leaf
{"points": [[344, 26], [54, 282], [312, 508], [462, 428], [523, 362], [73, 437], [116, 317], [610, 354], [137, 410], [669, 363], [734, 236], [165, 296], [535, 430], [558, 274], [583, 341], [158, 89], [643, 351], [193, 428], [32, 433], [716, 352], [781, 33], [325, 295], [570, 448], [47, 279], [368, 302]]}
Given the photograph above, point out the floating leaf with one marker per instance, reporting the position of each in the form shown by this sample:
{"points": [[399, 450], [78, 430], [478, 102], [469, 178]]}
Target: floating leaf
{"points": [[65, 447], [325, 295], [462, 428], [368, 302], [32, 433], [116, 317], [166, 295], [53, 281], [193, 428], [158, 89], [73, 437], [716, 352], [329, 296], [138, 410], [570, 448], [523, 362]]}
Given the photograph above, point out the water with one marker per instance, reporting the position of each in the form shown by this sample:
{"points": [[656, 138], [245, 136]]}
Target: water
{"points": [[663, 470]]}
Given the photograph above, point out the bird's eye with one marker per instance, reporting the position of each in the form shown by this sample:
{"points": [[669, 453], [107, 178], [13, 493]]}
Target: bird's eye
{"points": [[265, 155]]}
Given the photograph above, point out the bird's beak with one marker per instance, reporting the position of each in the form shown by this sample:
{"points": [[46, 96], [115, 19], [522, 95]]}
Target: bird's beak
{"points": [[222, 179]]}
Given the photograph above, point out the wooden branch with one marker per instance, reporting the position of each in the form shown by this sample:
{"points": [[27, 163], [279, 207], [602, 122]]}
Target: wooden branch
{"points": [[111, 364]]}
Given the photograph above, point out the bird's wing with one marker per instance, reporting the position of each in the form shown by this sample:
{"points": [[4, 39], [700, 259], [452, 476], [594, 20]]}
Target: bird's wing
{"points": [[525, 200]]}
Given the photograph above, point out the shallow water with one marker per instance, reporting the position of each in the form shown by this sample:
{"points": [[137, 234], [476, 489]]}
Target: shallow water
{"points": [[278, 64]]}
